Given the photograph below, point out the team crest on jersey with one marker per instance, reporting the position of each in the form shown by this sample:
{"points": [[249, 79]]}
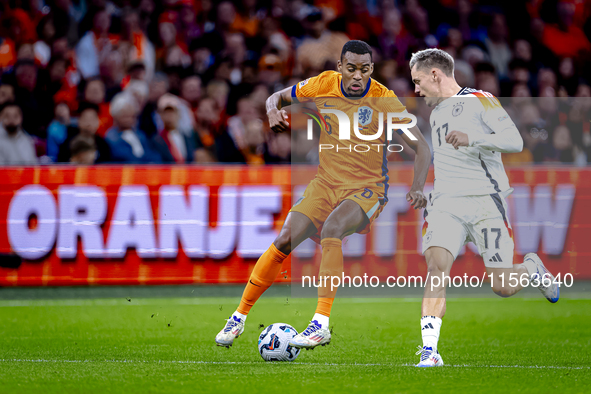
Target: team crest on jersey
{"points": [[428, 237], [457, 109], [365, 114], [303, 83]]}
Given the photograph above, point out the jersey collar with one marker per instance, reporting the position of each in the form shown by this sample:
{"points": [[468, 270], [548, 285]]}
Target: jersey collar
{"points": [[355, 97]]}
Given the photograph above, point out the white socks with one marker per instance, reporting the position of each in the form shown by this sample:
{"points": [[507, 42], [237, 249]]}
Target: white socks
{"points": [[239, 316], [321, 319], [430, 326]]}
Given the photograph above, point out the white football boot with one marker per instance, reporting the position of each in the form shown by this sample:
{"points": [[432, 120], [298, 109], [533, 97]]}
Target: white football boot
{"points": [[233, 329], [311, 337], [551, 292], [429, 358]]}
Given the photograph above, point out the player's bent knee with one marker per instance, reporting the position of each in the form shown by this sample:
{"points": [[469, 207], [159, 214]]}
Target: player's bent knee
{"points": [[438, 267], [332, 230], [283, 241], [439, 260]]}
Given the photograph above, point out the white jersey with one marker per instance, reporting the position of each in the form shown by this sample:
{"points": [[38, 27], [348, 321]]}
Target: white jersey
{"points": [[476, 169]]}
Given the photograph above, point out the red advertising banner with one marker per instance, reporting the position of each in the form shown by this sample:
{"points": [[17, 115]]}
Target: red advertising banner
{"points": [[109, 225]]}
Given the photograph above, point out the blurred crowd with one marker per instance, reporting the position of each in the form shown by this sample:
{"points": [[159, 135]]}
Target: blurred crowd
{"points": [[185, 81]]}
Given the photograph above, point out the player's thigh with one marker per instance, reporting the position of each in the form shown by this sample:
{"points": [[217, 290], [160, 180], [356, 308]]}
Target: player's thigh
{"points": [[371, 200], [443, 230], [439, 260], [316, 203], [344, 220], [495, 244], [296, 228]]}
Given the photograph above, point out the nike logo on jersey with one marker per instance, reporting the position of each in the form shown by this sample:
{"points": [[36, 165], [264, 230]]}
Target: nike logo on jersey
{"points": [[329, 106]]}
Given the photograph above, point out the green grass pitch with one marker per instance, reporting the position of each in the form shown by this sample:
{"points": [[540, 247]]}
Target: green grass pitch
{"points": [[166, 345]]}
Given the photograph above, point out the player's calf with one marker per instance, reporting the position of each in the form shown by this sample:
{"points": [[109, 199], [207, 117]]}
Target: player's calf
{"points": [[500, 283]]}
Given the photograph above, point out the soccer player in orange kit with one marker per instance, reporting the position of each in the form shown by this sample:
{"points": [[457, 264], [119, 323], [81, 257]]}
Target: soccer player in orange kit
{"points": [[350, 188]]}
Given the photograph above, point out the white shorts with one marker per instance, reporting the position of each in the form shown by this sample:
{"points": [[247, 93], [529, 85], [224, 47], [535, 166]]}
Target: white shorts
{"points": [[451, 222]]}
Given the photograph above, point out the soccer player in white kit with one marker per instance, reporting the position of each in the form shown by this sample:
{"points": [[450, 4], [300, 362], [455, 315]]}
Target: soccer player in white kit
{"points": [[470, 129]]}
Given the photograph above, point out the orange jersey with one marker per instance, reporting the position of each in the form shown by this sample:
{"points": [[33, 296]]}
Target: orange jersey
{"points": [[348, 165]]}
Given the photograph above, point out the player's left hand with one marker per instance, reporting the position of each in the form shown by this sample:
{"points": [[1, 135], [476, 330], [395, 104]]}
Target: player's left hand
{"points": [[417, 199], [457, 139]]}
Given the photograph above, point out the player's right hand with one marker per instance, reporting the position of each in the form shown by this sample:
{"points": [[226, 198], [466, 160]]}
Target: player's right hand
{"points": [[278, 120], [417, 199]]}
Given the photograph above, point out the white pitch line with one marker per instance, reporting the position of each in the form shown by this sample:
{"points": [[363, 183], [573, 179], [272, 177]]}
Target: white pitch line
{"points": [[293, 363], [217, 301]]}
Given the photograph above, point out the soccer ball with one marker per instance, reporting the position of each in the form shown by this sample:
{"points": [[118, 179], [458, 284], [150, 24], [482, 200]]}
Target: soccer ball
{"points": [[274, 343]]}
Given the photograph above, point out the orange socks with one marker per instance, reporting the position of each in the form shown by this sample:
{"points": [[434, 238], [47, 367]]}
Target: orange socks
{"points": [[269, 264], [262, 277], [331, 265], [324, 306]]}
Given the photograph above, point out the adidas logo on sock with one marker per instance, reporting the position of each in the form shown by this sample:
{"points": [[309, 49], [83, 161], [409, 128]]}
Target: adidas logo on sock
{"points": [[429, 325], [496, 258]]}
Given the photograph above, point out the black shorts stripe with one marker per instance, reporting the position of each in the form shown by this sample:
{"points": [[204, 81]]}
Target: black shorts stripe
{"points": [[495, 183], [499, 203]]}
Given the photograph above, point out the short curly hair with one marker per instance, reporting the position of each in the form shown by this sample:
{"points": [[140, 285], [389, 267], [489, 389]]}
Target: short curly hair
{"points": [[357, 47], [433, 57]]}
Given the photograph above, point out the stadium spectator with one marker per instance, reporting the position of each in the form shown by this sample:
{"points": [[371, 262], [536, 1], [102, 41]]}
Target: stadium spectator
{"points": [[191, 93], [16, 146], [563, 149], [563, 37], [57, 130], [46, 33], [140, 91], [135, 47], [190, 29], [243, 142], [394, 40], [486, 78], [6, 94], [94, 92], [96, 45], [498, 46], [219, 91], [546, 79], [88, 126], [36, 104], [201, 56], [208, 128], [128, 143], [229, 50], [83, 151], [464, 73], [320, 49], [567, 78], [173, 145], [173, 52]]}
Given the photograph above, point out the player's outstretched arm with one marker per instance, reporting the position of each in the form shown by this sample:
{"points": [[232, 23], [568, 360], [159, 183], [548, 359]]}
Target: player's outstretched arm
{"points": [[505, 137], [507, 141], [415, 196], [277, 116]]}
